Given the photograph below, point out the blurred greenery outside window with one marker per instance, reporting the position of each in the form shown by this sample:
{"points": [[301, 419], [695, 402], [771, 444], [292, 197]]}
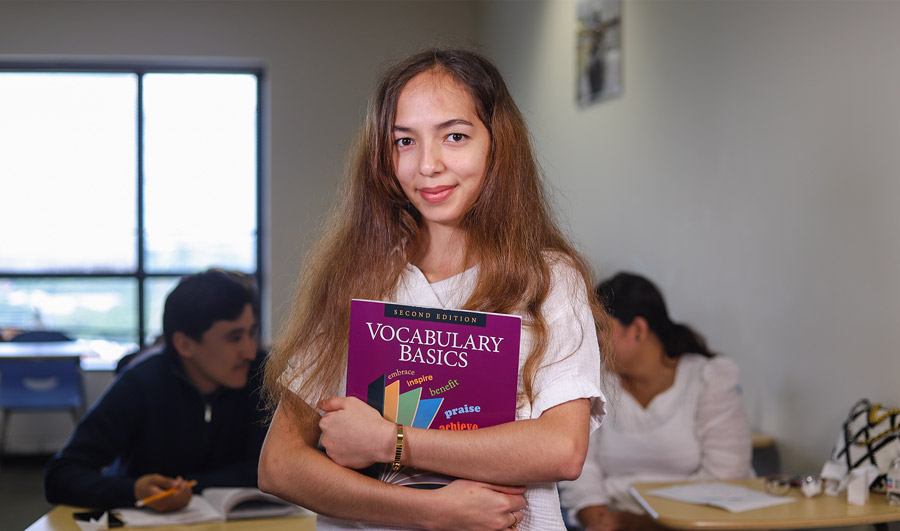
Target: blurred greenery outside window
{"points": [[115, 184]]}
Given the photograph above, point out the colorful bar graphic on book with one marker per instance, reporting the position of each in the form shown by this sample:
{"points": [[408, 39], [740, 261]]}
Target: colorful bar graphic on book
{"points": [[433, 368], [415, 412]]}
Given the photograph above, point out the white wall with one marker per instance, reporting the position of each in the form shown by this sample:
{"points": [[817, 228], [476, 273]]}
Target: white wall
{"points": [[752, 168]]}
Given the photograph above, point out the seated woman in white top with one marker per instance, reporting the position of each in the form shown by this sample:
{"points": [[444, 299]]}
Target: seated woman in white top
{"points": [[676, 412]]}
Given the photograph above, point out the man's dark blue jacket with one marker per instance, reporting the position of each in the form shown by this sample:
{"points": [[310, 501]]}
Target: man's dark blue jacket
{"points": [[153, 420]]}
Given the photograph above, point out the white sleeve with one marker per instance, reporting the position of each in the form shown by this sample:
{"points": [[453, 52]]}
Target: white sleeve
{"points": [[298, 372], [722, 428], [571, 365]]}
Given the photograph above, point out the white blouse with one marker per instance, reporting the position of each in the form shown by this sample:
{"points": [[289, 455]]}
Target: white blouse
{"points": [[695, 429], [571, 369]]}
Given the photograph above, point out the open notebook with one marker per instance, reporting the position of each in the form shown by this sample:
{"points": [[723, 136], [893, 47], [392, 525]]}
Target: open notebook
{"points": [[734, 498], [215, 504]]}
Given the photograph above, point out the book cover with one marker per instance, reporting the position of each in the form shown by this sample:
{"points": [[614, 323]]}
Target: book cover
{"points": [[432, 368]]}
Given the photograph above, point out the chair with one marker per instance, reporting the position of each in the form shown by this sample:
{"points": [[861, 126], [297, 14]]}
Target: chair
{"points": [[766, 459], [40, 336], [32, 384]]}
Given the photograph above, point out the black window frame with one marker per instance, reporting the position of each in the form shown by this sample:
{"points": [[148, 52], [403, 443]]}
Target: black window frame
{"points": [[140, 70]]}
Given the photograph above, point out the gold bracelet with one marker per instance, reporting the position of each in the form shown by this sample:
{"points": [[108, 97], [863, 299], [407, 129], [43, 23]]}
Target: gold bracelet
{"points": [[395, 466]]}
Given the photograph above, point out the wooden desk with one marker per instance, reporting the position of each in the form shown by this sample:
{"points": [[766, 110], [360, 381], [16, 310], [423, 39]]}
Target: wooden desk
{"points": [[761, 440], [821, 511], [60, 519]]}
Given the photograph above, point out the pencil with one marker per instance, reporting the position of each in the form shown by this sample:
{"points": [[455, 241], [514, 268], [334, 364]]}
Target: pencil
{"points": [[163, 494]]}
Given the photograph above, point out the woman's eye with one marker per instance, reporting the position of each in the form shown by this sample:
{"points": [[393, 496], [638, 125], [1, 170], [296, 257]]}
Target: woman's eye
{"points": [[456, 137], [403, 142]]}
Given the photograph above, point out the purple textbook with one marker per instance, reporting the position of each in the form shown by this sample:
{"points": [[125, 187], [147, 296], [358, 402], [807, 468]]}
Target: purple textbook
{"points": [[432, 368]]}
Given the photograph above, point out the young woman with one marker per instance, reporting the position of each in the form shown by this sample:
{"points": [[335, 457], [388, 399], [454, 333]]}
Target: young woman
{"points": [[677, 413], [444, 207]]}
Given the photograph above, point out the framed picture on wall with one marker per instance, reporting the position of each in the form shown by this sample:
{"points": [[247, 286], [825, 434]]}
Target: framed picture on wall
{"points": [[598, 50]]}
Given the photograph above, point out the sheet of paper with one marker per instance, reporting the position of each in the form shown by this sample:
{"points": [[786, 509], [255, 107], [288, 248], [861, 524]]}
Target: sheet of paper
{"points": [[643, 503], [198, 510], [101, 524], [726, 496]]}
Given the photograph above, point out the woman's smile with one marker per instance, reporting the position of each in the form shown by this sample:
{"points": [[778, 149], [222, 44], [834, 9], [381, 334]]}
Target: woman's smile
{"points": [[436, 194]]}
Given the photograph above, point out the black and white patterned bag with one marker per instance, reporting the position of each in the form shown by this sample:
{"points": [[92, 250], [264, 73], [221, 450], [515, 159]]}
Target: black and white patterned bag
{"points": [[869, 436]]}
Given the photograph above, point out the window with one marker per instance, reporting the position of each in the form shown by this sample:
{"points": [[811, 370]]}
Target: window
{"points": [[115, 183]]}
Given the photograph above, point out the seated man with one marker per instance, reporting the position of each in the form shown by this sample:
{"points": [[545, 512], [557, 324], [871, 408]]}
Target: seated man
{"points": [[191, 412]]}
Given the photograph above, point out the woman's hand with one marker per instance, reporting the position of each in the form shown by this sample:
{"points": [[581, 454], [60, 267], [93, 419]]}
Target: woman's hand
{"points": [[150, 484], [474, 505], [291, 468], [354, 434]]}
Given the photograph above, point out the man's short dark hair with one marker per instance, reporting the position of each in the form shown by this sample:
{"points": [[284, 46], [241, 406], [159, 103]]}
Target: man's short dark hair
{"points": [[201, 299]]}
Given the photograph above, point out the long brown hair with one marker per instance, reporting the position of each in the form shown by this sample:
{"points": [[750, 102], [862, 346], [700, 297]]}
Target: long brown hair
{"points": [[373, 232]]}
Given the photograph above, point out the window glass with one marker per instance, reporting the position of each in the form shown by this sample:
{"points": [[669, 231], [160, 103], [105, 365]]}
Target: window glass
{"points": [[82, 308], [200, 171], [68, 162], [71, 258], [155, 292]]}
